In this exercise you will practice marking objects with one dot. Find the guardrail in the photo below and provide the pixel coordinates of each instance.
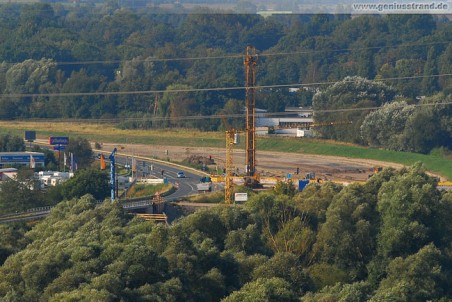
(39, 209)
(147, 158)
(151, 180)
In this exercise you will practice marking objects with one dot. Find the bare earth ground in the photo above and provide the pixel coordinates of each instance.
(270, 163)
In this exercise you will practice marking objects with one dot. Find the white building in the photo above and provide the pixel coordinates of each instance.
(8, 173)
(295, 121)
(52, 178)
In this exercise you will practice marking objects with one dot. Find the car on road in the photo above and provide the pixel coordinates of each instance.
(180, 174)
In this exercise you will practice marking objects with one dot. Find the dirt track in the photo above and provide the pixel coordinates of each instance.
(271, 163)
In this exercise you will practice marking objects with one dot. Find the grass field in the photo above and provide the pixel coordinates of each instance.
(141, 190)
(436, 162)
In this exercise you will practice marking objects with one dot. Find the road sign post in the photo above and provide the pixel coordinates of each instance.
(112, 174)
(60, 142)
(59, 148)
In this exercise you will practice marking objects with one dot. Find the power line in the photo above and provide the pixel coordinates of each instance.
(240, 56)
(141, 92)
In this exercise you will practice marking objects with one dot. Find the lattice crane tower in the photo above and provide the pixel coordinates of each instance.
(250, 63)
(228, 181)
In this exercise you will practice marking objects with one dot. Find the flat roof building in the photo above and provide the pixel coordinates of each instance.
(31, 159)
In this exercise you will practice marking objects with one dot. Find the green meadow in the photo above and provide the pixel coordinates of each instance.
(436, 162)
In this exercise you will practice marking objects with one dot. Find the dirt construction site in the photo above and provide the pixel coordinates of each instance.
(269, 164)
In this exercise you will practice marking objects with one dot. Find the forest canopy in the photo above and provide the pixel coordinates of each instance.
(98, 62)
(151, 69)
(387, 239)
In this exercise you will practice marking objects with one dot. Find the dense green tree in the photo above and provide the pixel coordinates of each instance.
(272, 212)
(444, 67)
(175, 105)
(138, 74)
(111, 50)
(232, 108)
(385, 127)
(79, 106)
(430, 81)
(50, 161)
(28, 77)
(314, 201)
(414, 278)
(264, 289)
(396, 226)
(86, 181)
(352, 92)
(246, 240)
(81, 150)
(22, 193)
(285, 188)
(408, 204)
(354, 292)
(406, 68)
(11, 143)
(12, 239)
(429, 126)
(347, 238)
(288, 267)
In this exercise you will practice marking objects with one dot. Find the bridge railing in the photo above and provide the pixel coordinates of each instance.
(136, 204)
(39, 209)
(125, 204)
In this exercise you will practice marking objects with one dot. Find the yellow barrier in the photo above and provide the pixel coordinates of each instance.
(153, 217)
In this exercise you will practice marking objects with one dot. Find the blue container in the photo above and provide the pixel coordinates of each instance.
(302, 184)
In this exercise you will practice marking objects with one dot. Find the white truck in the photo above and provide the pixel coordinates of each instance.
(204, 187)
(205, 184)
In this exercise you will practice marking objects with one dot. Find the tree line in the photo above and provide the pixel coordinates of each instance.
(381, 118)
(385, 240)
(52, 50)
(149, 69)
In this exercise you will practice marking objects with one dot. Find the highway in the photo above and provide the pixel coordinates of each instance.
(153, 168)
(148, 167)
(145, 167)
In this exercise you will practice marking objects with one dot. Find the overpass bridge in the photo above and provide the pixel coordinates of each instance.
(153, 204)
(150, 205)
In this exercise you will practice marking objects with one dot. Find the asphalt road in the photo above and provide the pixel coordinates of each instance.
(146, 167)
(159, 169)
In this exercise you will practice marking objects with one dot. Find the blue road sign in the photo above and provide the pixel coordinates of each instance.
(59, 148)
(20, 158)
(289, 176)
(58, 140)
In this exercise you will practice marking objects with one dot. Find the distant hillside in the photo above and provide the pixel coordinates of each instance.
(153, 69)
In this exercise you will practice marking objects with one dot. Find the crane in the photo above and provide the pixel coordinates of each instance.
(251, 178)
(231, 140)
(250, 62)
(228, 181)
